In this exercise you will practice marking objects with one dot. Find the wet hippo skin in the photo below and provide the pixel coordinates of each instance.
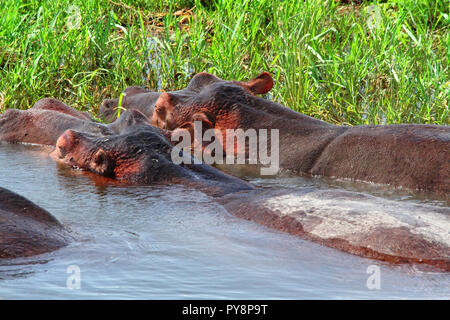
(352, 222)
(411, 156)
(26, 229)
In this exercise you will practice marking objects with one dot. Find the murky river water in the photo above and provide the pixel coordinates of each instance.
(172, 243)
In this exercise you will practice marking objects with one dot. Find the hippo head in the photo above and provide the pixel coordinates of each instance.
(205, 97)
(141, 156)
(128, 120)
(133, 97)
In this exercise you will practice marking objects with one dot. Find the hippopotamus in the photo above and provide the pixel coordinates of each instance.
(26, 229)
(49, 118)
(407, 155)
(142, 155)
(56, 105)
(128, 120)
(134, 97)
(348, 221)
(45, 122)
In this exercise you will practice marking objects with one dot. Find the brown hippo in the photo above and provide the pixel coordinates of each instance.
(143, 156)
(45, 122)
(26, 229)
(411, 156)
(49, 118)
(56, 105)
(134, 98)
(128, 120)
(352, 222)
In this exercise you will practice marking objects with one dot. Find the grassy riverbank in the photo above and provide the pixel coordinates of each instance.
(375, 63)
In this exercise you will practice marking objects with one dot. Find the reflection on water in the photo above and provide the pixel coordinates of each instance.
(169, 242)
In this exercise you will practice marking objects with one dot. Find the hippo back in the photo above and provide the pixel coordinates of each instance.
(26, 229)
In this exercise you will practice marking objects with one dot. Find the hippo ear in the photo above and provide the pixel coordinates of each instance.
(261, 84)
(102, 164)
(135, 90)
(201, 80)
(139, 117)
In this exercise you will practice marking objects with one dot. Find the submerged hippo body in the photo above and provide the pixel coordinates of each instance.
(26, 229)
(412, 156)
(352, 222)
(45, 122)
(348, 221)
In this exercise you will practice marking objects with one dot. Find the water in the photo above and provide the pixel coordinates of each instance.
(150, 242)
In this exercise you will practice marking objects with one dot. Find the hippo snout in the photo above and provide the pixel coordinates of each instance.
(67, 141)
(77, 150)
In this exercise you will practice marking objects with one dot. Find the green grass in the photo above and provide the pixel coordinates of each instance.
(376, 63)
